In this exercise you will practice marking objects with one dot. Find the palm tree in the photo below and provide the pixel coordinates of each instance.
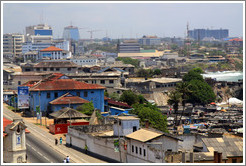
(174, 99)
(183, 88)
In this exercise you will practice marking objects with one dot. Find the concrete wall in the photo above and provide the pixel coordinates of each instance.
(98, 146)
(126, 127)
(189, 140)
(153, 151)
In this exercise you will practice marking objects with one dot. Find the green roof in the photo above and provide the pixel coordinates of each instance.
(145, 51)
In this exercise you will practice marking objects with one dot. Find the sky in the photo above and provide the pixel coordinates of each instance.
(124, 20)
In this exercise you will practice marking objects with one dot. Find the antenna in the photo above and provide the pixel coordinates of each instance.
(42, 17)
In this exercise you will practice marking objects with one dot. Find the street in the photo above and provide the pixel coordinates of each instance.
(39, 152)
(41, 146)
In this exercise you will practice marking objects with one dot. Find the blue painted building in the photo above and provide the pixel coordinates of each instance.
(54, 87)
(67, 100)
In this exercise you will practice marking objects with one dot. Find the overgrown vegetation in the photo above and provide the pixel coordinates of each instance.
(127, 60)
(86, 108)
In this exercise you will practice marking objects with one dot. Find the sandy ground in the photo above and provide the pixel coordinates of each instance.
(45, 123)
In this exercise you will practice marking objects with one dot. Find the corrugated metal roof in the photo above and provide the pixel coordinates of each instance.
(69, 99)
(229, 146)
(66, 113)
(143, 135)
(54, 64)
(117, 103)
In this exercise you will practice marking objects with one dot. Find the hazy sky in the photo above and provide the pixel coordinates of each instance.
(125, 19)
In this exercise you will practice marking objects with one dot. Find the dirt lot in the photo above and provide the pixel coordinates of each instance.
(45, 122)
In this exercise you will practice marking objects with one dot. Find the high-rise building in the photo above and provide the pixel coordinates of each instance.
(41, 33)
(40, 29)
(199, 34)
(12, 44)
(150, 40)
(129, 46)
(71, 33)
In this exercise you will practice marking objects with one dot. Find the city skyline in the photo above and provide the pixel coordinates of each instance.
(125, 20)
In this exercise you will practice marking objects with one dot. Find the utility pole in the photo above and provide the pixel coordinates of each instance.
(119, 137)
(69, 113)
(40, 111)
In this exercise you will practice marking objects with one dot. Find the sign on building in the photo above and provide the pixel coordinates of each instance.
(23, 97)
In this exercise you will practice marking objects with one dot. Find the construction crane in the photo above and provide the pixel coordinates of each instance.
(91, 32)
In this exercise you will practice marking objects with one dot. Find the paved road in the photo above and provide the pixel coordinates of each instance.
(38, 152)
(48, 140)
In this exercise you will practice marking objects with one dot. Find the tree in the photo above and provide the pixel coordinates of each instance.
(157, 72)
(129, 97)
(152, 113)
(86, 108)
(174, 99)
(193, 74)
(106, 94)
(202, 93)
(114, 96)
(183, 89)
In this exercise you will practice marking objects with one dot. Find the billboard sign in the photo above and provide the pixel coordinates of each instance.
(23, 97)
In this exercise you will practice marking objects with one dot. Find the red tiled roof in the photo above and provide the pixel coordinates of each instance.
(51, 48)
(117, 103)
(64, 84)
(6, 122)
(69, 99)
(236, 39)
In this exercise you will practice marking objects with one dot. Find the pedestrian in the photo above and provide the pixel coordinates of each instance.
(65, 160)
(68, 159)
(60, 140)
(86, 149)
(56, 141)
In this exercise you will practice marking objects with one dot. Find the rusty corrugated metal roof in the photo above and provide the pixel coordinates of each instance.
(64, 84)
(55, 64)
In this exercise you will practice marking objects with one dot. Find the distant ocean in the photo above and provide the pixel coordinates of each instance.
(233, 76)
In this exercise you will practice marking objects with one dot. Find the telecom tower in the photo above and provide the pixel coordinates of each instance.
(187, 40)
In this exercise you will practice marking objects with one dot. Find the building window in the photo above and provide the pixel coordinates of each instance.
(38, 69)
(45, 69)
(78, 94)
(48, 95)
(85, 94)
(111, 81)
(132, 148)
(136, 149)
(56, 94)
(51, 69)
(134, 128)
(102, 81)
(69, 69)
(144, 152)
(57, 69)
(19, 82)
(140, 151)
